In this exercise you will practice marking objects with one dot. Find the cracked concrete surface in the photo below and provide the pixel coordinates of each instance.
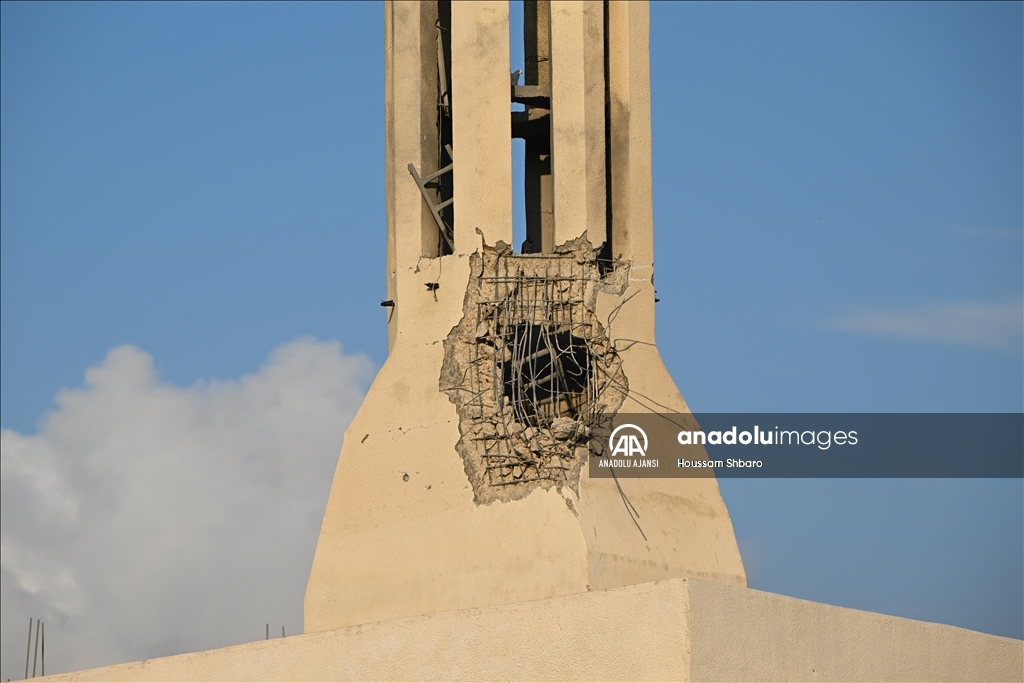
(531, 370)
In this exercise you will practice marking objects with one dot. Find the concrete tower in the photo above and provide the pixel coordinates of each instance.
(461, 481)
(461, 499)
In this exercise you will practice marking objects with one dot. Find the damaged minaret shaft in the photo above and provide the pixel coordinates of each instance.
(462, 479)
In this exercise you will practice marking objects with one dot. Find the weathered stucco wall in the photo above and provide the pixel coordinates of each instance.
(739, 634)
(677, 630)
(404, 533)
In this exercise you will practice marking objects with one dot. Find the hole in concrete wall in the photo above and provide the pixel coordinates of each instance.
(530, 370)
(547, 374)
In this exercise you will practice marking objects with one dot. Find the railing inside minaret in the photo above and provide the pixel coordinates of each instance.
(435, 187)
(430, 188)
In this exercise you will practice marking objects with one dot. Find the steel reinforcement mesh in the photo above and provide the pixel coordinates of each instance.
(541, 367)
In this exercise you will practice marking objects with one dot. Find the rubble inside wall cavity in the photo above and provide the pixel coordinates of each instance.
(531, 369)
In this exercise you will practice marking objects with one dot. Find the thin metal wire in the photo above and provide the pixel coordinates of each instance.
(28, 648)
(35, 654)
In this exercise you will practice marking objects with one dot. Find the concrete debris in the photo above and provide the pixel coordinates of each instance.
(530, 369)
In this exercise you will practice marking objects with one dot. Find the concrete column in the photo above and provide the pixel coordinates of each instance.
(403, 533)
(630, 94)
(629, 89)
(577, 120)
(482, 142)
(409, 110)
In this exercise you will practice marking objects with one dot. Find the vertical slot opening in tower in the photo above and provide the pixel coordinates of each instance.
(533, 126)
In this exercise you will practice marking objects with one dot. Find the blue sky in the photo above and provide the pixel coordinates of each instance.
(838, 216)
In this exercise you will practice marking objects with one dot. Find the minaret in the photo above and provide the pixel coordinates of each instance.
(462, 479)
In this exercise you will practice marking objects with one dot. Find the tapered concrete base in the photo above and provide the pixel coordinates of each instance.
(679, 629)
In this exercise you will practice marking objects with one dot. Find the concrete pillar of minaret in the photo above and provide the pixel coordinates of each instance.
(684, 528)
(577, 120)
(457, 488)
(483, 164)
(403, 534)
(433, 507)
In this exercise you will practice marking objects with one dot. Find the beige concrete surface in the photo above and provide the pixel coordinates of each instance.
(739, 634)
(677, 630)
(408, 32)
(482, 128)
(402, 534)
(577, 120)
(415, 577)
(629, 84)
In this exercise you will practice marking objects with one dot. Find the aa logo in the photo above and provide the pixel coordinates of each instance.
(628, 442)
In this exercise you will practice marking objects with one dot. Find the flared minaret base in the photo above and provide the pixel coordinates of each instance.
(463, 539)
(452, 490)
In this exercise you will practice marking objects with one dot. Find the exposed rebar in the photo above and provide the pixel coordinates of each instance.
(28, 647)
(35, 652)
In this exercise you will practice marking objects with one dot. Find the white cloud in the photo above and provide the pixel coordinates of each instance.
(986, 325)
(146, 519)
